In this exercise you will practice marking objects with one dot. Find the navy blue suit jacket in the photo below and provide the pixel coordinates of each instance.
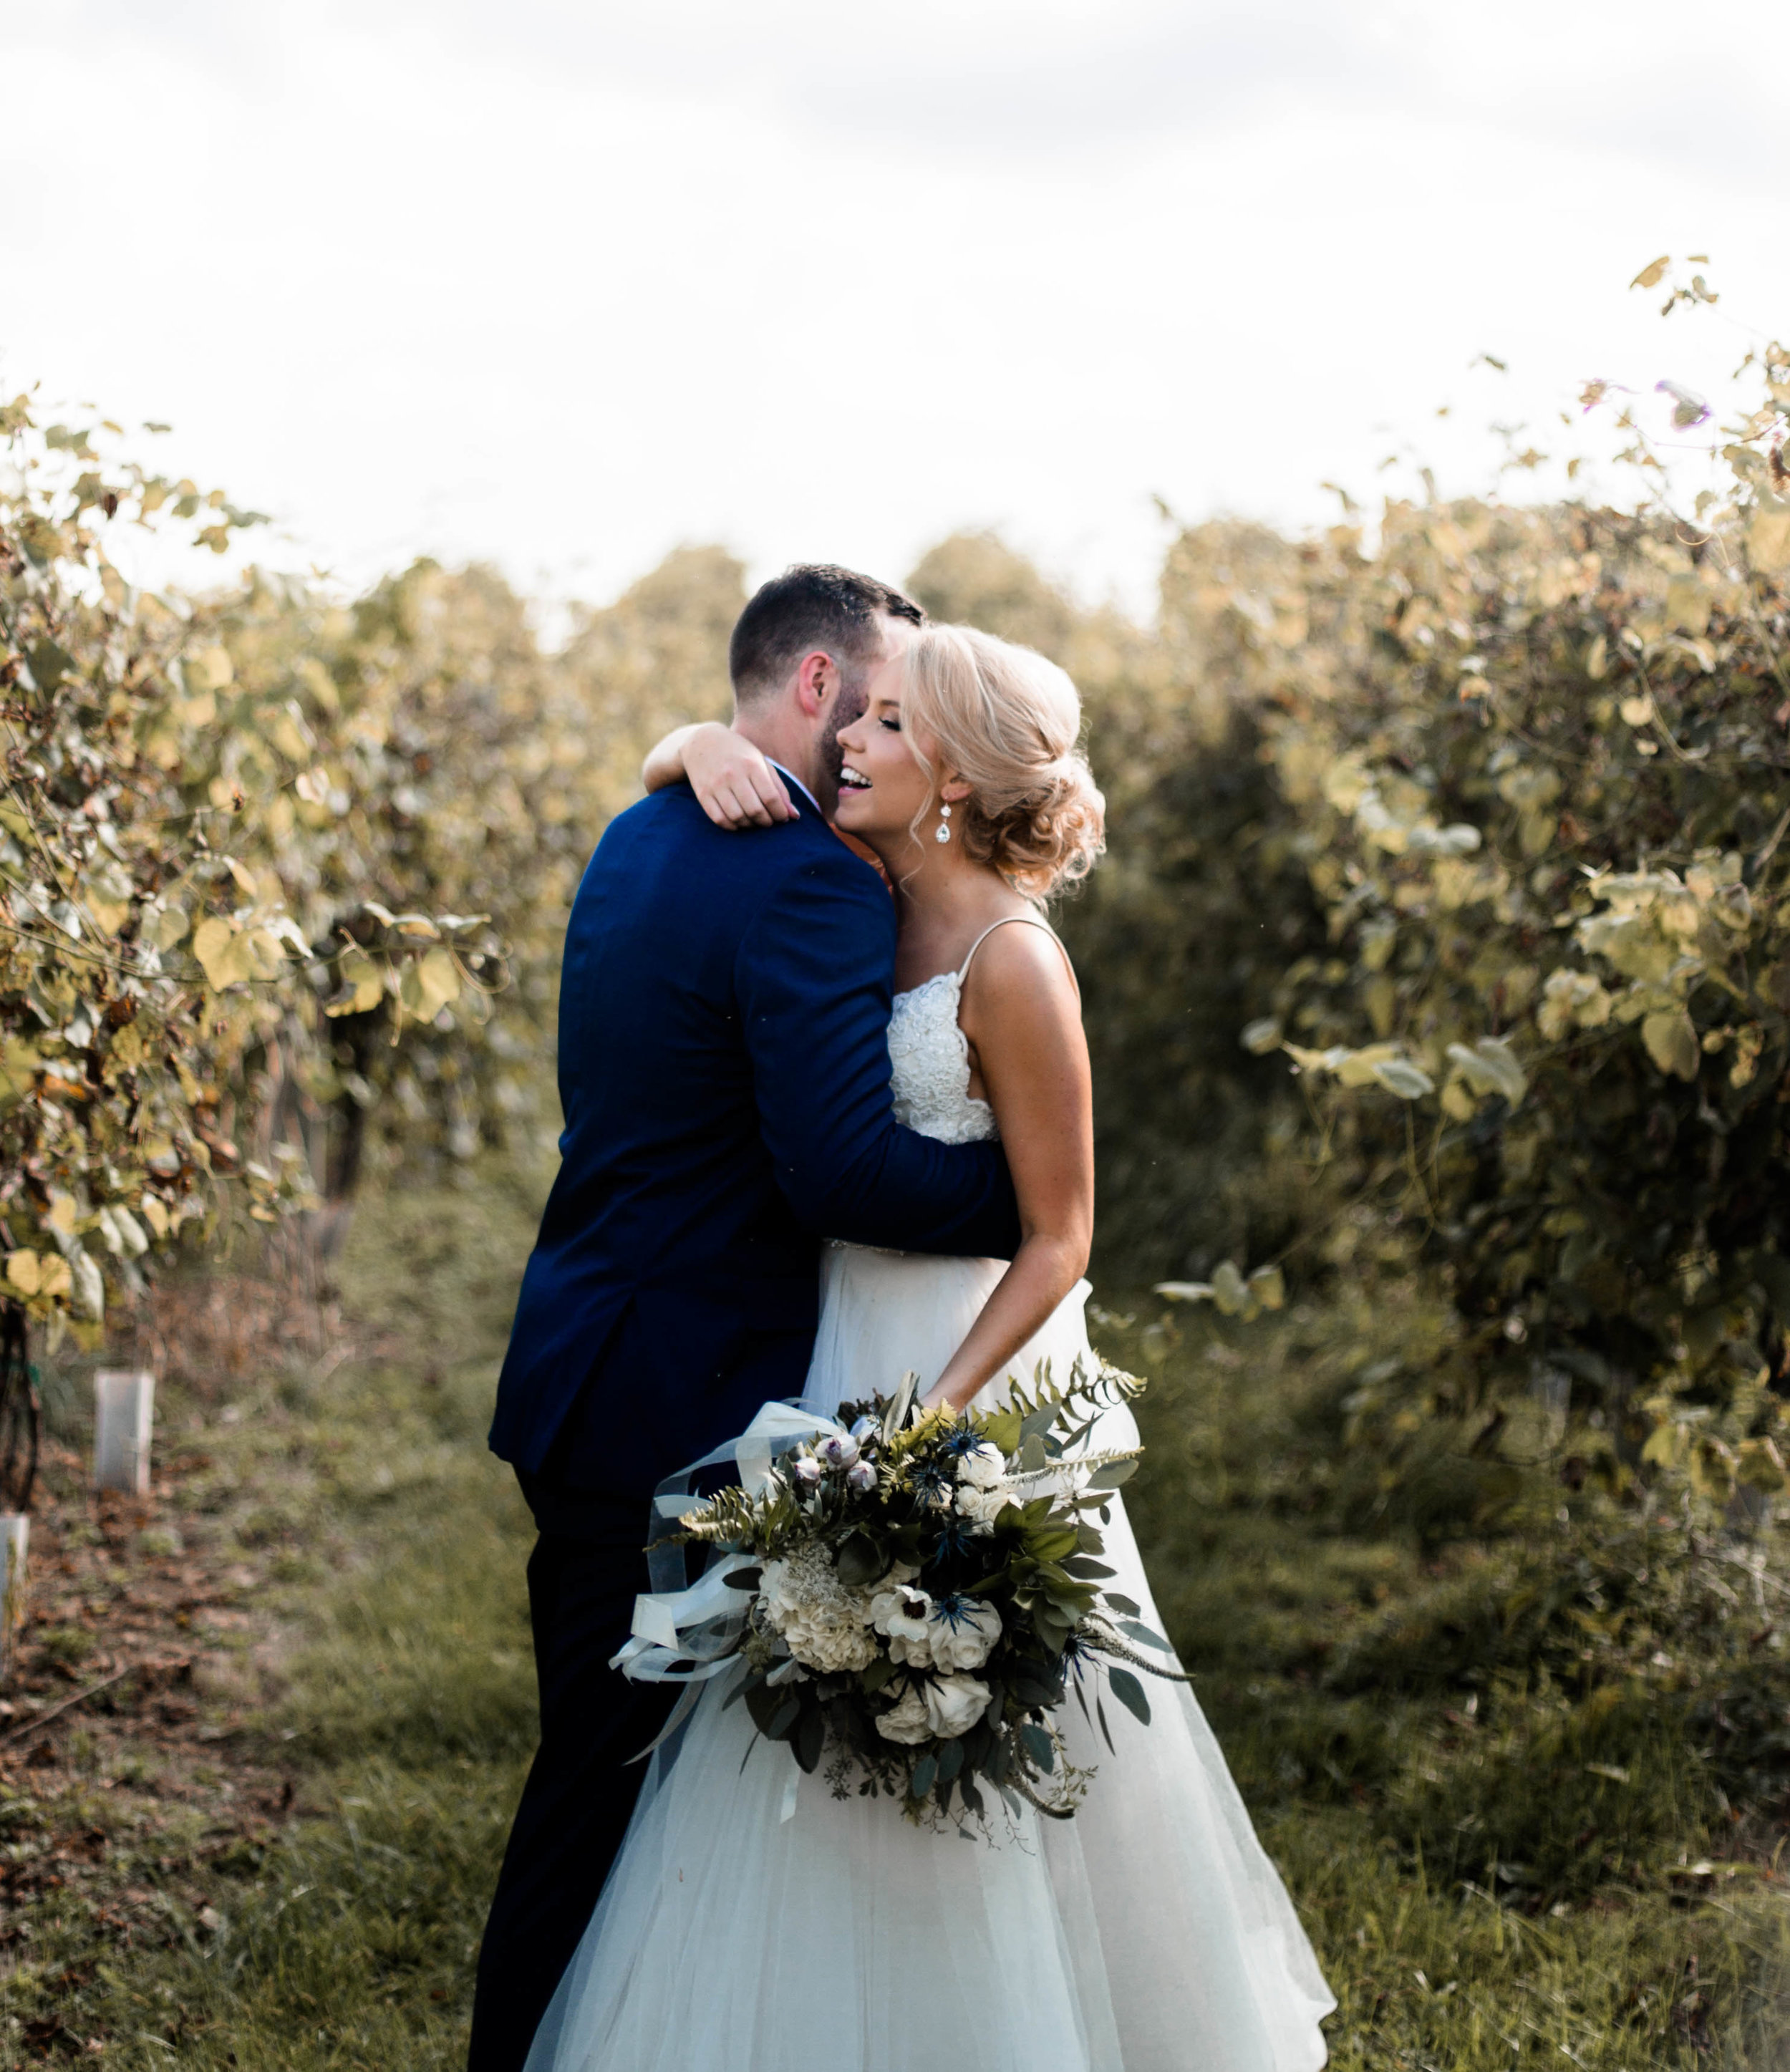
(724, 1070)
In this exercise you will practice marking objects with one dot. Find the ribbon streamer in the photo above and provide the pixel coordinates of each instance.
(688, 1633)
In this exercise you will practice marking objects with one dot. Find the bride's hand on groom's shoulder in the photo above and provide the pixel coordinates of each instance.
(734, 783)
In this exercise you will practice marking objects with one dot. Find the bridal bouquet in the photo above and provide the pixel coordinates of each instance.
(923, 1595)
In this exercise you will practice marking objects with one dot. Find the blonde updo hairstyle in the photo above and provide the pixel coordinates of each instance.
(1008, 722)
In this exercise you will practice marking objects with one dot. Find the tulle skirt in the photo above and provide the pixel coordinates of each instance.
(753, 1923)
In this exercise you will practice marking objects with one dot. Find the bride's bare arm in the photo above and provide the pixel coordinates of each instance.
(733, 782)
(1024, 1019)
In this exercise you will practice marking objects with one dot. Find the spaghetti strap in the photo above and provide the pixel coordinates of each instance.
(1031, 921)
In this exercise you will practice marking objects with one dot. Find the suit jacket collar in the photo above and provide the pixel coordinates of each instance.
(791, 778)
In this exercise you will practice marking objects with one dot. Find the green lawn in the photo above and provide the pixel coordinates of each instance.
(1497, 1868)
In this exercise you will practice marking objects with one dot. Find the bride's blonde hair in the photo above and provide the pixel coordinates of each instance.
(1008, 721)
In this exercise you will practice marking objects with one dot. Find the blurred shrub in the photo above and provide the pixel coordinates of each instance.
(1538, 762)
(278, 870)
(121, 896)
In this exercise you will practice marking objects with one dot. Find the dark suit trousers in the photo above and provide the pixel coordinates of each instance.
(583, 1575)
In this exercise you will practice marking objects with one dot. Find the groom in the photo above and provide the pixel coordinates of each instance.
(724, 1070)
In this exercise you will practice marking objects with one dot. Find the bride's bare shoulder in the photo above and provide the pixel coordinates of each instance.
(1018, 969)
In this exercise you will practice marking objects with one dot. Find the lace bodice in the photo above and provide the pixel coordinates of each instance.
(930, 1056)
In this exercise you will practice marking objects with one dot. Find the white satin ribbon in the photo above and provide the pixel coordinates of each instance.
(688, 1635)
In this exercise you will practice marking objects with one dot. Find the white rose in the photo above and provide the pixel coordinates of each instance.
(907, 1721)
(963, 1637)
(983, 1466)
(982, 1506)
(954, 1704)
(904, 1614)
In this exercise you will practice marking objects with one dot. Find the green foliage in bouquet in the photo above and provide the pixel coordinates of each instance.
(927, 1594)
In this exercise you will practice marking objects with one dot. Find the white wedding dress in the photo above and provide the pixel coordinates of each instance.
(1150, 1934)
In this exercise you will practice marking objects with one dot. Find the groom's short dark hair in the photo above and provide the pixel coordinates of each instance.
(812, 604)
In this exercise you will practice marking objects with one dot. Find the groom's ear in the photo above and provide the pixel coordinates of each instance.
(816, 679)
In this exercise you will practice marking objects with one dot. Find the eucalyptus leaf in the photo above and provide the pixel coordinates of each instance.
(1146, 1636)
(1112, 1475)
(1039, 1745)
(1128, 1692)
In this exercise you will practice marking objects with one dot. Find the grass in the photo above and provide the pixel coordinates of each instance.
(1499, 1867)
(1516, 1827)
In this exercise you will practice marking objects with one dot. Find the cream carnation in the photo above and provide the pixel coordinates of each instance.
(825, 1625)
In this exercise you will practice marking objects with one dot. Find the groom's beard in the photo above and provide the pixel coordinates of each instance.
(846, 712)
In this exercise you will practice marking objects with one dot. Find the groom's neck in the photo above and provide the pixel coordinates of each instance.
(786, 738)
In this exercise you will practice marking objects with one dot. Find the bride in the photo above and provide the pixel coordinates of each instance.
(745, 1929)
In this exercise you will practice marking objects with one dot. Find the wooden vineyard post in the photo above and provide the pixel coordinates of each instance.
(15, 1534)
(124, 1408)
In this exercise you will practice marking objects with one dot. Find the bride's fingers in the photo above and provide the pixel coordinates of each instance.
(741, 807)
(776, 800)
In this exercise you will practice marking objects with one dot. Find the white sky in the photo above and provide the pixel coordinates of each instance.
(563, 283)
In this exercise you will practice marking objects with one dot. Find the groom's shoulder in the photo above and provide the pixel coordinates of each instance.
(669, 829)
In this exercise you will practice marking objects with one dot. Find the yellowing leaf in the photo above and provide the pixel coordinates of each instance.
(1667, 1445)
(1491, 1067)
(1379, 997)
(1400, 1076)
(1185, 1291)
(1670, 1039)
(1768, 542)
(209, 670)
(24, 1271)
(261, 949)
(1457, 1102)
(321, 684)
(285, 733)
(1268, 1286)
(1687, 607)
(60, 1215)
(214, 944)
(1360, 1068)
(1229, 1290)
(1652, 273)
(18, 1063)
(167, 926)
(88, 1296)
(438, 980)
(1761, 1465)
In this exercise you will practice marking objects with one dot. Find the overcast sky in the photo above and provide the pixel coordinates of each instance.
(562, 283)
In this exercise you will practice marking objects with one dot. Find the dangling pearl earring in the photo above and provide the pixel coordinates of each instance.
(944, 834)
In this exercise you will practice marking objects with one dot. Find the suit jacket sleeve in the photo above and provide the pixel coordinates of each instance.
(814, 984)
